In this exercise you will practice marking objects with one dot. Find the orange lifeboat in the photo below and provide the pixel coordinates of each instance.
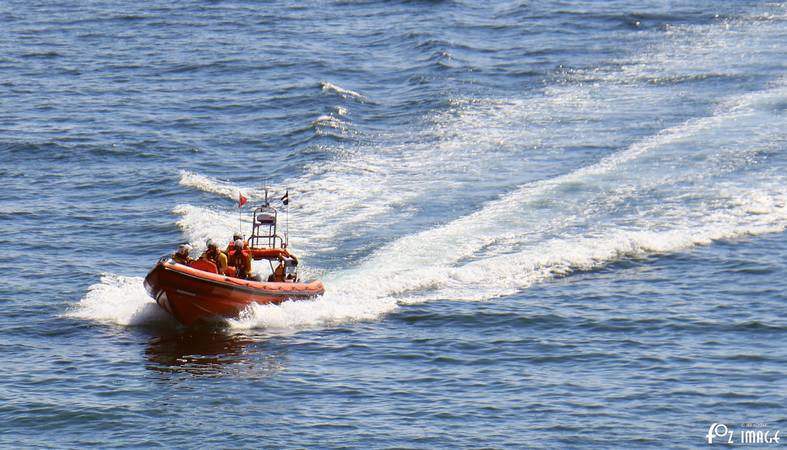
(196, 291)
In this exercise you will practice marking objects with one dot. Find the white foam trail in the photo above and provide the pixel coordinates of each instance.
(508, 245)
(504, 274)
(730, 48)
(344, 93)
(119, 300)
(392, 278)
(449, 243)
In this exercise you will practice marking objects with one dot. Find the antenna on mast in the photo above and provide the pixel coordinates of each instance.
(287, 218)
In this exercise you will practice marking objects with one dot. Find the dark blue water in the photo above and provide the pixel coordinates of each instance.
(540, 224)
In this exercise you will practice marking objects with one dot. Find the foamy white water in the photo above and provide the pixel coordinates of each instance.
(220, 188)
(692, 181)
(119, 300)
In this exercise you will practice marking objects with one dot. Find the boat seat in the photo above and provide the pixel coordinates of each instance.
(266, 219)
(205, 265)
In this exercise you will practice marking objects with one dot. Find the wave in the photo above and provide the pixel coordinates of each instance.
(221, 188)
(212, 186)
(329, 121)
(342, 92)
(329, 125)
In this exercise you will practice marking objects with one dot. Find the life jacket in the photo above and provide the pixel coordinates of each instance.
(241, 262)
(231, 247)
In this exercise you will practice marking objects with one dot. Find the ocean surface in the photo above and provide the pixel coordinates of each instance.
(541, 224)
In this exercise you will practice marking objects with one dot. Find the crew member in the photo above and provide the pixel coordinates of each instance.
(278, 273)
(216, 256)
(241, 259)
(182, 255)
(236, 237)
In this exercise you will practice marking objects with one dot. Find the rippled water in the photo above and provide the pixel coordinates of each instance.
(540, 224)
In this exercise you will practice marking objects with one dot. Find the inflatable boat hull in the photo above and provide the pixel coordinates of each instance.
(191, 294)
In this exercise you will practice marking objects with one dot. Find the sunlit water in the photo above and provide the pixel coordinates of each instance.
(545, 224)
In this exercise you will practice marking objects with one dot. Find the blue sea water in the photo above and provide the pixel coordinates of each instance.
(554, 224)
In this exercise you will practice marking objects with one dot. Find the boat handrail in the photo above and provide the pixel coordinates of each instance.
(265, 216)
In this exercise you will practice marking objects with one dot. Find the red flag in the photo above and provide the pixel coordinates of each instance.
(241, 200)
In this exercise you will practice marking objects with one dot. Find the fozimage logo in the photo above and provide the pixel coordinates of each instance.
(749, 433)
(717, 430)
